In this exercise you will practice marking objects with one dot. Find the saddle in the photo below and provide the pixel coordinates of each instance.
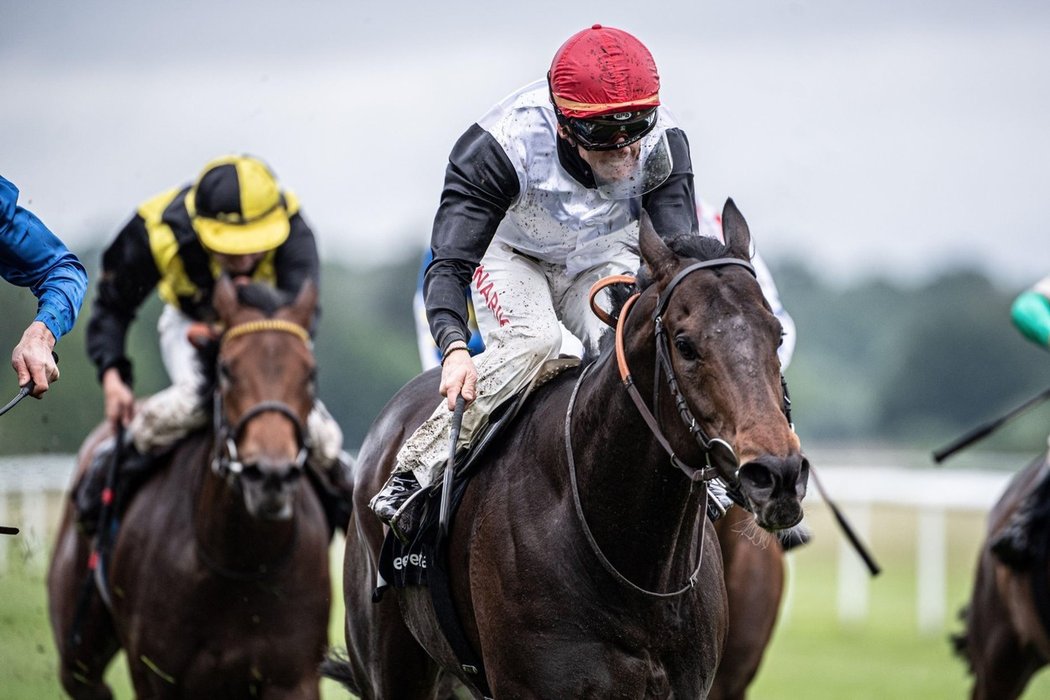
(421, 561)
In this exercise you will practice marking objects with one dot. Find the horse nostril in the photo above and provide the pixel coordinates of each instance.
(757, 476)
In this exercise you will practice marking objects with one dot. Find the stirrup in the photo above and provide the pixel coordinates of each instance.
(405, 522)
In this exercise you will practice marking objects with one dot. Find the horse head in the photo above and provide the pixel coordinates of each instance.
(265, 391)
(717, 341)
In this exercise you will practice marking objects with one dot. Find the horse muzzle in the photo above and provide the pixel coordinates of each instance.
(269, 493)
(774, 488)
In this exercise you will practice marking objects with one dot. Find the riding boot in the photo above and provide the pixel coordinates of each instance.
(1013, 545)
(133, 469)
(393, 504)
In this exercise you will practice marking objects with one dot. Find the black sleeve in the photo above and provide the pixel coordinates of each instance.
(296, 260)
(672, 205)
(480, 185)
(128, 275)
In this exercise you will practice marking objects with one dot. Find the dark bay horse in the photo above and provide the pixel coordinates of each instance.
(581, 562)
(753, 562)
(219, 576)
(1007, 637)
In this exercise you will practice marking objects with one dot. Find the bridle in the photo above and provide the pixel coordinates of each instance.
(718, 453)
(719, 457)
(225, 460)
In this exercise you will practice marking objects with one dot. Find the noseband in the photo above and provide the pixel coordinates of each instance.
(720, 459)
(225, 461)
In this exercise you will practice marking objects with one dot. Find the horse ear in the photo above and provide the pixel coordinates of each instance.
(302, 309)
(657, 256)
(735, 230)
(224, 298)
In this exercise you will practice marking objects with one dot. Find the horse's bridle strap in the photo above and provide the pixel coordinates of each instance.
(266, 324)
(665, 296)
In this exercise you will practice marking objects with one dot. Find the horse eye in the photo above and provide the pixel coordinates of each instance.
(686, 349)
(225, 374)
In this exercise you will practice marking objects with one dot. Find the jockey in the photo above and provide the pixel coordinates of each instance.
(235, 220)
(1013, 545)
(31, 256)
(542, 198)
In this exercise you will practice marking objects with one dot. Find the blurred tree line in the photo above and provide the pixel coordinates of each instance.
(876, 362)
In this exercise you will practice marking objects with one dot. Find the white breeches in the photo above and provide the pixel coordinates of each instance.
(519, 302)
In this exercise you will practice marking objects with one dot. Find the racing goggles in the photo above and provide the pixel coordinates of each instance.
(612, 131)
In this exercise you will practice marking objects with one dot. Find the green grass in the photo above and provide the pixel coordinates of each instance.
(812, 656)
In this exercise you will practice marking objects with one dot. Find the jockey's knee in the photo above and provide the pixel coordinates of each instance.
(541, 344)
(325, 436)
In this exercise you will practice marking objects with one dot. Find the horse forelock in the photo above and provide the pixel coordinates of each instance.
(262, 297)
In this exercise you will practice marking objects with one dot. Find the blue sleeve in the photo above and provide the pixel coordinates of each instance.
(31, 256)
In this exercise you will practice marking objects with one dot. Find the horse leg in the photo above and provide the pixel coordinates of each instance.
(1002, 664)
(754, 576)
(75, 607)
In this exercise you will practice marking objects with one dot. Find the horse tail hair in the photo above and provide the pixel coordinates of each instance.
(336, 667)
(961, 641)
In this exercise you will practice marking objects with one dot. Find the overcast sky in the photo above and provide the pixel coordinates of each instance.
(893, 138)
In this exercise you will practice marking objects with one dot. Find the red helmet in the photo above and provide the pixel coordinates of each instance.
(601, 71)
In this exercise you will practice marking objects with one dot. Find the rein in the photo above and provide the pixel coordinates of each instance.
(595, 547)
(720, 459)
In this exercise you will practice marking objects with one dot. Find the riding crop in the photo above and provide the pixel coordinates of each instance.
(446, 483)
(983, 431)
(22, 393)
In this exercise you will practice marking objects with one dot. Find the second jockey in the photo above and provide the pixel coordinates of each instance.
(235, 220)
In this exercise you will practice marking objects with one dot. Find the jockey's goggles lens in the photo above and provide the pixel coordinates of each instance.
(612, 131)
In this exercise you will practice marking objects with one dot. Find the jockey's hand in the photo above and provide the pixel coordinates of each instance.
(120, 401)
(458, 376)
(32, 358)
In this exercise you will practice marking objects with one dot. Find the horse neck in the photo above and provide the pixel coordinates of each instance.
(643, 512)
(230, 537)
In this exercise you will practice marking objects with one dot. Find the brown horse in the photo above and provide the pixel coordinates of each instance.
(580, 561)
(753, 562)
(1007, 639)
(219, 576)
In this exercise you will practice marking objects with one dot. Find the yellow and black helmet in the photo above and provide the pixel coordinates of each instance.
(237, 208)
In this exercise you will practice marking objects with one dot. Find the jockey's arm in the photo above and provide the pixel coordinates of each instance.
(480, 185)
(296, 260)
(1031, 313)
(127, 277)
(32, 256)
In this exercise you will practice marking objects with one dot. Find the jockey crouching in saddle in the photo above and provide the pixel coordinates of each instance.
(542, 198)
(1014, 545)
(233, 220)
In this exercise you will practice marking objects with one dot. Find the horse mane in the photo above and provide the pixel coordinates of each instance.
(265, 298)
(684, 246)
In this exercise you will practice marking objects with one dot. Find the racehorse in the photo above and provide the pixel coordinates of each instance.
(753, 562)
(218, 577)
(1007, 635)
(581, 563)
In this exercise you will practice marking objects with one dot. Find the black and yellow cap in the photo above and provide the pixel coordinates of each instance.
(237, 207)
